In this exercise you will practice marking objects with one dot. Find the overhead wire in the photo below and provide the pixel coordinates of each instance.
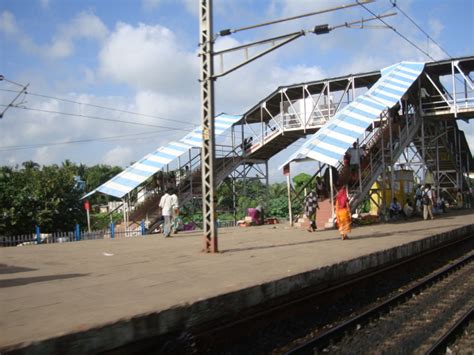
(396, 31)
(394, 3)
(95, 117)
(99, 106)
(86, 140)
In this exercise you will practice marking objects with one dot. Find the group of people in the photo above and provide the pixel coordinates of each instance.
(342, 208)
(424, 203)
(170, 211)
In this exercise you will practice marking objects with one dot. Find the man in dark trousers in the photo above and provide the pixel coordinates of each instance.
(310, 207)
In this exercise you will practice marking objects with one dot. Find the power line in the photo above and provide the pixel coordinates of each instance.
(96, 118)
(394, 3)
(395, 30)
(86, 140)
(98, 106)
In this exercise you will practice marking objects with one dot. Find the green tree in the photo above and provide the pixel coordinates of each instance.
(301, 180)
(44, 196)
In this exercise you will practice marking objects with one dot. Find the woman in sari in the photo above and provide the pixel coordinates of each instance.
(343, 213)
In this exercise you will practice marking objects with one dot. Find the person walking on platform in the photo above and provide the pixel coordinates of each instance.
(166, 205)
(343, 213)
(310, 207)
(427, 199)
(459, 199)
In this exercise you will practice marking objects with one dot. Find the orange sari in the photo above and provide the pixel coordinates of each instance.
(343, 214)
(344, 219)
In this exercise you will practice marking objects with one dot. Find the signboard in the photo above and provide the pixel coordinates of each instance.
(286, 170)
(87, 205)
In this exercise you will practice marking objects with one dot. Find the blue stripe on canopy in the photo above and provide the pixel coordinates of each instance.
(385, 93)
(146, 167)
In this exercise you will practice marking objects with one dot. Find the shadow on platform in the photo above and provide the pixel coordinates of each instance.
(29, 280)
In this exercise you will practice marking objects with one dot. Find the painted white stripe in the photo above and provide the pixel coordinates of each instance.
(193, 143)
(362, 118)
(226, 119)
(402, 83)
(194, 134)
(181, 145)
(389, 94)
(409, 70)
(382, 101)
(170, 151)
(322, 158)
(222, 125)
(348, 126)
(340, 136)
(115, 186)
(361, 106)
(146, 168)
(403, 75)
(133, 177)
(371, 99)
(332, 148)
(396, 87)
(159, 159)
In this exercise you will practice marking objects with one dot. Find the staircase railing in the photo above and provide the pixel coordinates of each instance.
(381, 156)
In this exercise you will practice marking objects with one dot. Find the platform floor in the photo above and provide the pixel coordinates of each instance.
(56, 289)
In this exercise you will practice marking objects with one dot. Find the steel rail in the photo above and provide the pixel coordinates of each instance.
(338, 331)
(277, 308)
(449, 335)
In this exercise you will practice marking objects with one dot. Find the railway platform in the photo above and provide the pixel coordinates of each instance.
(93, 296)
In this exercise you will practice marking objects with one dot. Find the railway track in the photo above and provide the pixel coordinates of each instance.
(420, 319)
(287, 324)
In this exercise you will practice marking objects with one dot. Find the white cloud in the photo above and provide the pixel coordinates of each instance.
(84, 26)
(436, 27)
(149, 58)
(192, 7)
(44, 3)
(45, 156)
(119, 155)
(150, 4)
(8, 23)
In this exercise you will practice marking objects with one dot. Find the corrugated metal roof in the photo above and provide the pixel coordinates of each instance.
(330, 143)
(149, 165)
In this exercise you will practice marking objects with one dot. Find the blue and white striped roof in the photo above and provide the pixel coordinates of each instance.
(329, 144)
(134, 175)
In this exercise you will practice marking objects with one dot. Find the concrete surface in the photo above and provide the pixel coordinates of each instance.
(90, 296)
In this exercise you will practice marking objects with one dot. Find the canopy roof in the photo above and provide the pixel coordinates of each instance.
(330, 143)
(149, 165)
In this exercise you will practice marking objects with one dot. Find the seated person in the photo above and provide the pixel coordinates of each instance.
(441, 205)
(395, 208)
(408, 209)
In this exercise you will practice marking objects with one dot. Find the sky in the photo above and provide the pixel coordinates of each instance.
(126, 71)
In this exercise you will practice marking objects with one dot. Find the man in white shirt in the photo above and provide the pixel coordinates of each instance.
(166, 205)
(427, 198)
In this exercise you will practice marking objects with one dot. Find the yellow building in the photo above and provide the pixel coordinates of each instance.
(403, 189)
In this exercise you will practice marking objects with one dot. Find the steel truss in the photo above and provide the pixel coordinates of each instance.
(206, 42)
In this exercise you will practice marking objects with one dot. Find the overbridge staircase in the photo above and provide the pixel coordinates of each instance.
(384, 146)
(189, 186)
(439, 153)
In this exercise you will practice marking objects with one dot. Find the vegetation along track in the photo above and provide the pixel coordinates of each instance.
(417, 320)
